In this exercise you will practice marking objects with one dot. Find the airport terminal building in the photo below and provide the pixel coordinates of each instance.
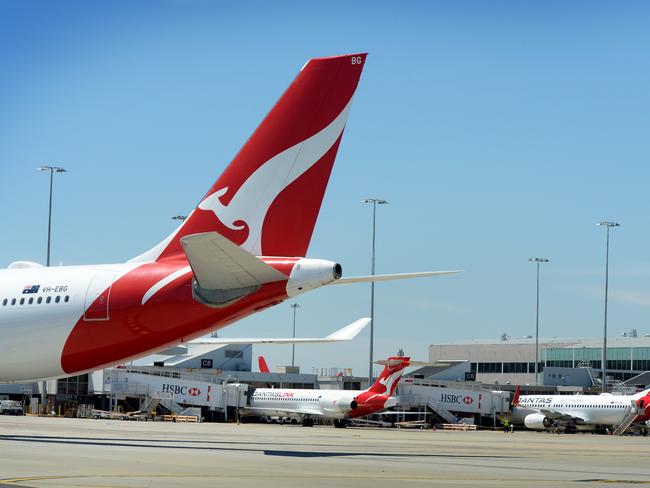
(561, 361)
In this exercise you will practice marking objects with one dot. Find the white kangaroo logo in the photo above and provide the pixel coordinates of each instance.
(252, 201)
(388, 381)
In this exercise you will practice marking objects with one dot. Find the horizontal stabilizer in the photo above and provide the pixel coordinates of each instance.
(389, 277)
(347, 333)
(219, 264)
(394, 362)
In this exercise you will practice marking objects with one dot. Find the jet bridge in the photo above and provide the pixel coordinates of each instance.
(160, 386)
(452, 400)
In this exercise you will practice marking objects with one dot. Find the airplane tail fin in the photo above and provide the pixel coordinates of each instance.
(261, 362)
(515, 399)
(389, 378)
(268, 198)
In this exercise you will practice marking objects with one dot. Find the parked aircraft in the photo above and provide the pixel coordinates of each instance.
(331, 404)
(580, 412)
(241, 250)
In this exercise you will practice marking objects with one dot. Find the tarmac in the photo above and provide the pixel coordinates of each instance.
(56, 452)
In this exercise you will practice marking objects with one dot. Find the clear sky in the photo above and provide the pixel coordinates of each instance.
(497, 131)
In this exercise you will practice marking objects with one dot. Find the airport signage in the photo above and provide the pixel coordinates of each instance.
(206, 363)
(188, 392)
(180, 390)
(470, 376)
(456, 399)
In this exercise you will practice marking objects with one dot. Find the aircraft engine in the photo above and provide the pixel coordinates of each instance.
(537, 421)
(341, 405)
(308, 274)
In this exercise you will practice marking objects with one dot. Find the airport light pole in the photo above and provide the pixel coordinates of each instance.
(295, 306)
(374, 202)
(537, 261)
(608, 225)
(52, 170)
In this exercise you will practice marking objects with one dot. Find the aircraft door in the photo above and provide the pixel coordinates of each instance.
(97, 297)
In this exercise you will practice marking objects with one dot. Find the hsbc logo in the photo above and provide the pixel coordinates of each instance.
(181, 390)
(456, 399)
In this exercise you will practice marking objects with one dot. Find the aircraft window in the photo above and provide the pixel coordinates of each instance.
(4, 302)
(57, 299)
(22, 301)
(66, 299)
(13, 301)
(39, 300)
(31, 300)
(48, 299)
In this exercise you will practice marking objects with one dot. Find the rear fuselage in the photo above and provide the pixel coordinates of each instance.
(66, 320)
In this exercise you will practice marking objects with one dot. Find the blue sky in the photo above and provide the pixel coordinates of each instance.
(497, 130)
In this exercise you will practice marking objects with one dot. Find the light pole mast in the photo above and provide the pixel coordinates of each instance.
(537, 261)
(52, 170)
(295, 306)
(608, 225)
(374, 202)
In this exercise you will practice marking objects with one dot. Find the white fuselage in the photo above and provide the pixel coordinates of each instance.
(34, 326)
(308, 402)
(57, 321)
(603, 409)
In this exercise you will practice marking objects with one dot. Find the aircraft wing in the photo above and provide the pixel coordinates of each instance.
(347, 333)
(555, 415)
(285, 411)
(389, 277)
(219, 264)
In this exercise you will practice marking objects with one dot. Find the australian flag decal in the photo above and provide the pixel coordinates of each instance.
(31, 289)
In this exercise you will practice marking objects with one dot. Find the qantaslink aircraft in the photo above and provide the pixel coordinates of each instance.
(241, 250)
(339, 405)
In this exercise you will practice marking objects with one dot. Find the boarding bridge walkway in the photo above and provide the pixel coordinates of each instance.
(452, 400)
(174, 390)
